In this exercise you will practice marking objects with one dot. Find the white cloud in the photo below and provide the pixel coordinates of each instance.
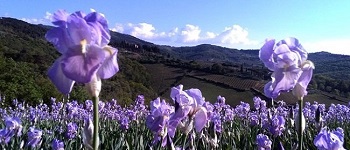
(34, 20)
(210, 35)
(190, 33)
(233, 37)
(48, 16)
(45, 20)
(336, 46)
(143, 30)
(118, 28)
(92, 10)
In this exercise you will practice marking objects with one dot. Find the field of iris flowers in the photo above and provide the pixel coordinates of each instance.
(188, 121)
(66, 126)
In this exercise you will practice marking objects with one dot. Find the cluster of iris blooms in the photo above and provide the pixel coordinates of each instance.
(164, 125)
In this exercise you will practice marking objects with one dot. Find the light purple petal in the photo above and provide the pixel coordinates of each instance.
(197, 95)
(78, 14)
(79, 30)
(99, 22)
(200, 119)
(285, 57)
(172, 125)
(155, 124)
(110, 66)
(265, 54)
(59, 18)
(59, 38)
(268, 90)
(81, 67)
(285, 80)
(62, 83)
(181, 97)
(175, 91)
(294, 45)
(181, 113)
(155, 104)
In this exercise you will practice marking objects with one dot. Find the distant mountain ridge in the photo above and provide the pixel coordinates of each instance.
(326, 63)
(23, 46)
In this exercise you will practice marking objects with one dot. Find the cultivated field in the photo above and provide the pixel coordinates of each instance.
(234, 89)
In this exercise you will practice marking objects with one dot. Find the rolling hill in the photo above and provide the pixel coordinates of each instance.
(151, 69)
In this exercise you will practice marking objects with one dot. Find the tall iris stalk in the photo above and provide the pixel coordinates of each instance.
(291, 71)
(86, 58)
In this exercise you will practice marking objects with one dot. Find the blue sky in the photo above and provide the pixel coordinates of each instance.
(319, 25)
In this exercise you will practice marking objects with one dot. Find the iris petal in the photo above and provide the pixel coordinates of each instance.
(59, 38)
(268, 89)
(81, 67)
(265, 54)
(285, 80)
(305, 77)
(62, 83)
(100, 24)
(59, 18)
(110, 66)
(200, 119)
(294, 45)
(197, 95)
(285, 57)
(78, 30)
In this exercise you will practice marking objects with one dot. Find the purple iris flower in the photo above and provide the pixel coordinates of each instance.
(277, 125)
(288, 60)
(34, 137)
(158, 121)
(254, 118)
(190, 104)
(71, 130)
(57, 145)
(326, 140)
(13, 127)
(124, 123)
(263, 141)
(216, 119)
(82, 40)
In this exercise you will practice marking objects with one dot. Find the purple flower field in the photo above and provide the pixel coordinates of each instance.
(185, 121)
(62, 125)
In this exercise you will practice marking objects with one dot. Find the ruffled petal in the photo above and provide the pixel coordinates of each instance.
(81, 67)
(99, 23)
(155, 104)
(197, 95)
(59, 38)
(181, 97)
(200, 119)
(285, 57)
(305, 77)
(265, 54)
(155, 123)
(62, 83)
(59, 18)
(175, 91)
(110, 66)
(79, 30)
(294, 45)
(268, 90)
(285, 80)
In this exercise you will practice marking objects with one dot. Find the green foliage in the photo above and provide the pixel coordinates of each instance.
(25, 57)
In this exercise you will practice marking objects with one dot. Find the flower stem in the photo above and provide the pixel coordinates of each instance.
(95, 135)
(300, 124)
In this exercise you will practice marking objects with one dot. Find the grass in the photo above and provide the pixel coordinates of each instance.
(162, 77)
